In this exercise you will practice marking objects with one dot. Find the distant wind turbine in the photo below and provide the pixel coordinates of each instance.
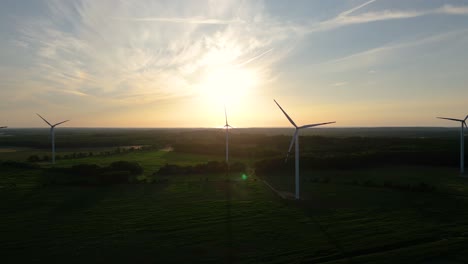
(462, 140)
(52, 135)
(295, 140)
(227, 126)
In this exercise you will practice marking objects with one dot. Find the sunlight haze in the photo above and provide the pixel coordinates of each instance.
(177, 63)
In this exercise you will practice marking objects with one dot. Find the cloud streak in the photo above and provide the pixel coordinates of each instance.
(371, 57)
(346, 18)
(193, 20)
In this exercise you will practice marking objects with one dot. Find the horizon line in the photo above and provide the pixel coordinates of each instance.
(273, 127)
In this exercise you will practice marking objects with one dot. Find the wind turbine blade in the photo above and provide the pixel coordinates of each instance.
(60, 123)
(291, 145)
(314, 125)
(452, 119)
(44, 119)
(289, 118)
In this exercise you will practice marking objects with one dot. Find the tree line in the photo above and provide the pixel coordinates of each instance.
(118, 172)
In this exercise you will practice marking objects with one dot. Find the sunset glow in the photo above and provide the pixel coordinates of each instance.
(149, 63)
(228, 84)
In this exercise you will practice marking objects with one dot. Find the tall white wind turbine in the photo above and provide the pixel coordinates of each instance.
(295, 141)
(462, 140)
(52, 135)
(227, 126)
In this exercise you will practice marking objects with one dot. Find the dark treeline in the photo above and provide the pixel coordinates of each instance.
(242, 141)
(203, 168)
(361, 160)
(240, 151)
(77, 155)
(85, 138)
(118, 172)
(316, 151)
(255, 147)
(19, 165)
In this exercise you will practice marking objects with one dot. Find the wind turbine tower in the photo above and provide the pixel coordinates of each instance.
(227, 126)
(52, 135)
(462, 140)
(295, 141)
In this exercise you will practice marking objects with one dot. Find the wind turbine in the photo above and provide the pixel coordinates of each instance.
(295, 140)
(462, 140)
(52, 135)
(227, 126)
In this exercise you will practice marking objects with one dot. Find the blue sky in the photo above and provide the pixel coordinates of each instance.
(176, 63)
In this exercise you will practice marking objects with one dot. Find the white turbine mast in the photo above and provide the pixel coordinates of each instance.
(462, 140)
(295, 141)
(52, 134)
(227, 126)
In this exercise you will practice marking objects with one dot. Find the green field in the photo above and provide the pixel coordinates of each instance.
(375, 214)
(197, 219)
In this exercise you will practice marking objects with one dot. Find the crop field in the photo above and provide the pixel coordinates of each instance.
(378, 214)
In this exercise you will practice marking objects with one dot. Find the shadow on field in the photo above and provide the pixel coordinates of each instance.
(80, 199)
(435, 218)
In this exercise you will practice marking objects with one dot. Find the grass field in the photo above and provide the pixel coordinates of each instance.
(359, 215)
(197, 219)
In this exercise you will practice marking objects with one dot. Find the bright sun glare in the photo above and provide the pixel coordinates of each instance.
(228, 84)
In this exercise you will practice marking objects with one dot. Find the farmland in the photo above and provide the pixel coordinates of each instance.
(384, 213)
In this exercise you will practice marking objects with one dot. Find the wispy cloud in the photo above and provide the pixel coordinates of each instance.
(339, 84)
(192, 20)
(372, 57)
(256, 57)
(347, 18)
(116, 49)
(452, 10)
(354, 9)
(107, 50)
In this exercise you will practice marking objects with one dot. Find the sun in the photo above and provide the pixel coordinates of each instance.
(228, 83)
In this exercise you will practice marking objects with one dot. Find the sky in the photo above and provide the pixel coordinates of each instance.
(178, 63)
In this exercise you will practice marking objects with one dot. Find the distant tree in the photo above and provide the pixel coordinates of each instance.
(133, 167)
(21, 165)
(34, 158)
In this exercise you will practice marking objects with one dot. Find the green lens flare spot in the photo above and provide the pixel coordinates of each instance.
(244, 177)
